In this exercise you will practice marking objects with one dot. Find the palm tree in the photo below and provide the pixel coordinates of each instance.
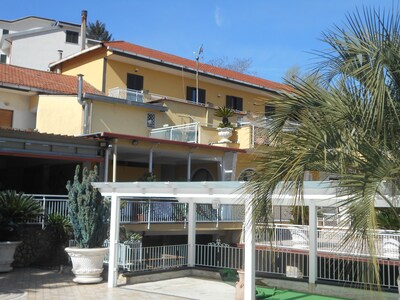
(98, 31)
(348, 124)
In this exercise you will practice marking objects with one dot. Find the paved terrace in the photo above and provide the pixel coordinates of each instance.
(38, 284)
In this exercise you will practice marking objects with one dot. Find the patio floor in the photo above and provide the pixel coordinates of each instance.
(38, 284)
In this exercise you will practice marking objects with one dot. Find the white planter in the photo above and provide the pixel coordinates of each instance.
(87, 264)
(224, 133)
(7, 250)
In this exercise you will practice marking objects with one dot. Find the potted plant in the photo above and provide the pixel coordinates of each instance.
(88, 213)
(225, 128)
(15, 209)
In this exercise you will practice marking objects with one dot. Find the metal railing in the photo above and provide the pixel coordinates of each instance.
(183, 133)
(135, 258)
(51, 204)
(127, 94)
(330, 240)
(217, 255)
(148, 211)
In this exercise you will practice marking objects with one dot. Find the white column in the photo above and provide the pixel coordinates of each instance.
(114, 236)
(191, 233)
(313, 235)
(249, 251)
(115, 161)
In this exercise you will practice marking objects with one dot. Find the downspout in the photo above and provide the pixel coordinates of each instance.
(84, 104)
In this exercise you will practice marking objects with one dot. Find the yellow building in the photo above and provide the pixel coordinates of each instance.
(158, 112)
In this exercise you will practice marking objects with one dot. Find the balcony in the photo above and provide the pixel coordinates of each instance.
(182, 133)
(127, 94)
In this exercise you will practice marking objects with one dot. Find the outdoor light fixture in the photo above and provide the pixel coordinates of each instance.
(135, 142)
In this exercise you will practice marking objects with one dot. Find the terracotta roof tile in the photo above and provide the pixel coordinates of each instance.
(212, 70)
(42, 81)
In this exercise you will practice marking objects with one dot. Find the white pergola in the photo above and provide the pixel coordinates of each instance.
(222, 192)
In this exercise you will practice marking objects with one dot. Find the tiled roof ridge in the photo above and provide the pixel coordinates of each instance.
(203, 67)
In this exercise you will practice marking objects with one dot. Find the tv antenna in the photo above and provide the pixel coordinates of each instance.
(200, 51)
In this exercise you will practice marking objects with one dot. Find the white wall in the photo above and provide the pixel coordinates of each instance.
(23, 117)
(38, 51)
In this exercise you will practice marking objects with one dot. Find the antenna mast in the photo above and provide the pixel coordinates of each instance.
(197, 72)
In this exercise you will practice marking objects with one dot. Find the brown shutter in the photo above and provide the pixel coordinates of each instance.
(6, 118)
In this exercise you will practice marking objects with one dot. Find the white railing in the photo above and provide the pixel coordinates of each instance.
(217, 255)
(222, 213)
(172, 212)
(136, 259)
(148, 212)
(183, 133)
(127, 94)
(329, 239)
(51, 204)
(153, 212)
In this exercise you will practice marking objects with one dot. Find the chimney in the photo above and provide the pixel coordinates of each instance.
(60, 53)
(83, 29)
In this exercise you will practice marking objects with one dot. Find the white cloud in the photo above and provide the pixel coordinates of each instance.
(218, 17)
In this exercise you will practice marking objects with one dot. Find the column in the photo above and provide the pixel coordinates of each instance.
(192, 233)
(113, 248)
(249, 251)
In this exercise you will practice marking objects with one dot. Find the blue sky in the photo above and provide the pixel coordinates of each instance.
(275, 34)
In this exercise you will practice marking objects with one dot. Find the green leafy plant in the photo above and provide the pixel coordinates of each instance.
(87, 210)
(15, 209)
(59, 229)
(225, 113)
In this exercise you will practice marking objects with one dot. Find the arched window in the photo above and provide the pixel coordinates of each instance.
(202, 175)
(246, 174)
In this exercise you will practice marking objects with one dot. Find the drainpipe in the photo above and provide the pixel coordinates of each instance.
(84, 104)
(83, 29)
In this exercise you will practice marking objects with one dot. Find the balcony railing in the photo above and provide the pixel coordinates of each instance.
(127, 94)
(183, 133)
(148, 212)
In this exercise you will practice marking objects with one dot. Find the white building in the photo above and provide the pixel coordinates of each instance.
(35, 42)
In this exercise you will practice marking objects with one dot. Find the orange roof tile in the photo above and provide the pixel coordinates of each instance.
(42, 81)
(205, 68)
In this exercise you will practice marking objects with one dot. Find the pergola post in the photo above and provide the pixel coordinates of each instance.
(313, 223)
(192, 234)
(113, 247)
(249, 251)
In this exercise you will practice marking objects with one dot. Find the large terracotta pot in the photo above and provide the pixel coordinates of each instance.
(7, 250)
(87, 264)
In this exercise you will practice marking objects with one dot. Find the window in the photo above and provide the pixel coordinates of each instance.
(6, 118)
(191, 94)
(3, 58)
(151, 120)
(234, 102)
(269, 110)
(134, 82)
(6, 31)
(72, 37)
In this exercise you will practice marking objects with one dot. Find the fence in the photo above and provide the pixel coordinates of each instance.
(135, 258)
(51, 204)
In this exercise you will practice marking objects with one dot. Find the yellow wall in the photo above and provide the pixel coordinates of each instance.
(120, 118)
(175, 85)
(91, 66)
(59, 115)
